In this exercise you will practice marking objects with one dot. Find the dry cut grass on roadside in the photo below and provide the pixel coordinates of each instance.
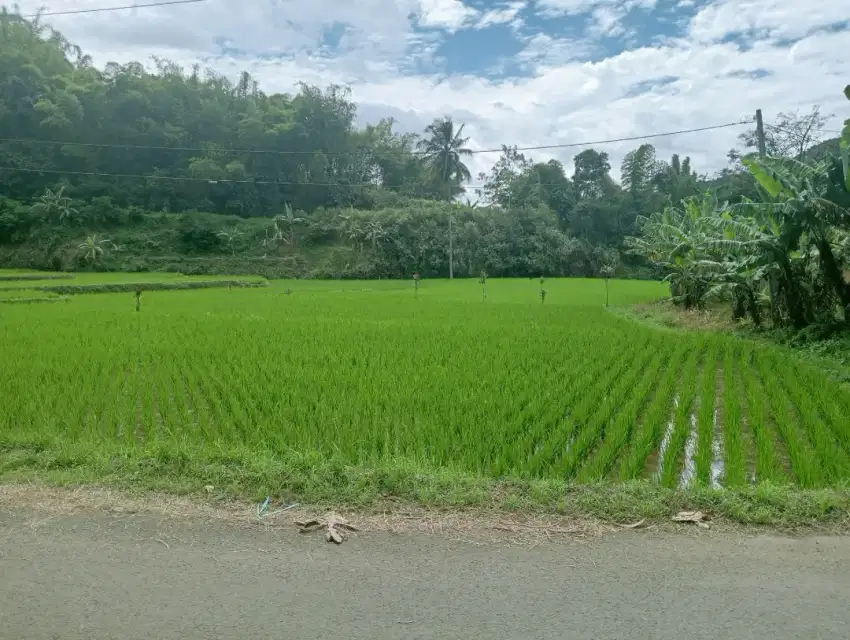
(40, 505)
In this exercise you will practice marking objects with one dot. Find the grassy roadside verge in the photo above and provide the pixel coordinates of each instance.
(252, 475)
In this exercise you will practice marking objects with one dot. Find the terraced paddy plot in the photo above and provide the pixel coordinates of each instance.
(367, 373)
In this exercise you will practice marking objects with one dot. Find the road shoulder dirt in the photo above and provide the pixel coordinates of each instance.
(109, 566)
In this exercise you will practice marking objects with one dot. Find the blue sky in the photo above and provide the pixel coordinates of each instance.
(495, 47)
(525, 72)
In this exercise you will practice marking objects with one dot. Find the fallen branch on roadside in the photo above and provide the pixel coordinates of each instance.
(337, 527)
(697, 517)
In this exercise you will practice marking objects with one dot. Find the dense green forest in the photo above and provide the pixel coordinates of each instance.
(133, 168)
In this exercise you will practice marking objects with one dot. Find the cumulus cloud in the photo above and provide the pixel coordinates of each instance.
(446, 14)
(544, 51)
(505, 14)
(606, 21)
(566, 7)
(698, 78)
(560, 7)
(773, 19)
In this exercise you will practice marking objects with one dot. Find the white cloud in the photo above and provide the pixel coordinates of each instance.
(560, 7)
(777, 18)
(606, 21)
(506, 14)
(565, 7)
(566, 100)
(543, 51)
(445, 14)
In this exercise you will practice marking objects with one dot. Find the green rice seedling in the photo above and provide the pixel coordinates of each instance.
(803, 458)
(828, 396)
(768, 466)
(707, 417)
(834, 463)
(591, 415)
(733, 444)
(360, 375)
(650, 427)
(550, 444)
(619, 431)
(197, 423)
(683, 421)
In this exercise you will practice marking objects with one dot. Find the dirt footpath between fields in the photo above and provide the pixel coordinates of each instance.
(93, 563)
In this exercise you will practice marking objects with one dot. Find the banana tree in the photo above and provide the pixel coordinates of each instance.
(55, 202)
(678, 239)
(375, 232)
(92, 249)
(794, 195)
(230, 236)
(752, 253)
(290, 220)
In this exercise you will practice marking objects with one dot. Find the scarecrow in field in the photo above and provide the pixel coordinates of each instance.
(416, 278)
(138, 299)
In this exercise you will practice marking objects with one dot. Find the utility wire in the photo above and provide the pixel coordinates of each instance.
(70, 12)
(302, 184)
(566, 145)
(352, 185)
(626, 139)
(185, 178)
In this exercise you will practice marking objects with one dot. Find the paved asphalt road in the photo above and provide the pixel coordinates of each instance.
(142, 576)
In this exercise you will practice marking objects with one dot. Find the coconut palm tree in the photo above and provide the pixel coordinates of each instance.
(443, 149)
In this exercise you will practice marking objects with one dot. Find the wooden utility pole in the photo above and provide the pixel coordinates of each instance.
(451, 250)
(448, 201)
(760, 133)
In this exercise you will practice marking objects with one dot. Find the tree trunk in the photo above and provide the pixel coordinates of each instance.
(834, 275)
(738, 305)
(792, 297)
(753, 308)
(773, 289)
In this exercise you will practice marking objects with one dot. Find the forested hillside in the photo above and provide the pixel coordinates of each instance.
(131, 167)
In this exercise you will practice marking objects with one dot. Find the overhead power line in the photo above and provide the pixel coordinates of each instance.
(70, 12)
(613, 140)
(283, 152)
(184, 178)
(566, 145)
(349, 185)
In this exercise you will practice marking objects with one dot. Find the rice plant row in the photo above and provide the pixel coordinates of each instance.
(505, 388)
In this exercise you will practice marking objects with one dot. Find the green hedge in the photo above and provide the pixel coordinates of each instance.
(123, 287)
(32, 300)
(34, 276)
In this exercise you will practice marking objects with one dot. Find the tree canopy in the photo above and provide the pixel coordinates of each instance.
(173, 163)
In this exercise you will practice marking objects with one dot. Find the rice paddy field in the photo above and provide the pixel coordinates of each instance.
(369, 375)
